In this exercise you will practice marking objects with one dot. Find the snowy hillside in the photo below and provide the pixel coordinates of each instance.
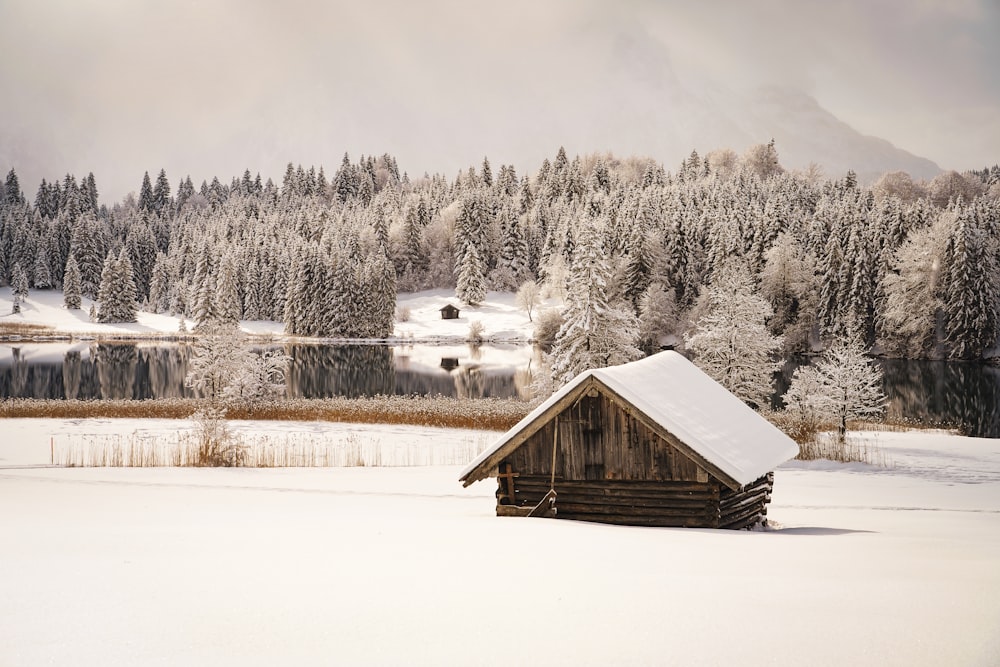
(391, 566)
(502, 320)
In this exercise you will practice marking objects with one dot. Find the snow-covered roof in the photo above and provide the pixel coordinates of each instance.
(679, 397)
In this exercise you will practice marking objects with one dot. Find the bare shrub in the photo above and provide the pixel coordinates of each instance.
(476, 331)
(547, 326)
(215, 445)
(403, 314)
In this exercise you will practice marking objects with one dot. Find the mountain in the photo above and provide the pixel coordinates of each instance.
(651, 106)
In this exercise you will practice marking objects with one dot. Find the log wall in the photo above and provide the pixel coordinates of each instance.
(665, 504)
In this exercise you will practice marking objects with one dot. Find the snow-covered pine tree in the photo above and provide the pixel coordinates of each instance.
(228, 307)
(86, 247)
(71, 285)
(117, 294)
(161, 194)
(159, 285)
(203, 300)
(512, 265)
(638, 266)
(142, 253)
(42, 276)
(12, 195)
(731, 341)
(471, 285)
(972, 292)
(146, 201)
(595, 333)
(107, 310)
(19, 285)
(381, 281)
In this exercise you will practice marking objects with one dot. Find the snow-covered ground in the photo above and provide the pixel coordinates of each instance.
(403, 566)
(501, 318)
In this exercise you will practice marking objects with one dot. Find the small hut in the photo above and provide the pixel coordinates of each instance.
(449, 312)
(655, 442)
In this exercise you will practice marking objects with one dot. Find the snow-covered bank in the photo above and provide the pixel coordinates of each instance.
(502, 319)
(866, 565)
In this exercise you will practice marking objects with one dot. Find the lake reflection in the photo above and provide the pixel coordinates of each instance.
(143, 371)
(962, 395)
(949, 394)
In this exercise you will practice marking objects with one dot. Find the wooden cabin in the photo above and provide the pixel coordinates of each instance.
(449, 312)
(655, 442)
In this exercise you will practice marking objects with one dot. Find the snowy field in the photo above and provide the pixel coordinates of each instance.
(502, 319)
(402, 566)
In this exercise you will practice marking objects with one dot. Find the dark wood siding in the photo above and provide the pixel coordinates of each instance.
(611, 468)
(598, 440)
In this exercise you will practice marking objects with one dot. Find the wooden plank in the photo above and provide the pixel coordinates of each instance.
(512, 510)
(655, 522)
(568, 509)
(623, 485)
(546, 507)
(483, 470)
(672, 439)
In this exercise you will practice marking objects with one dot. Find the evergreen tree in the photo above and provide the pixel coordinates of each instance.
(85, 248)
(487, 173)
(71, 285)
(19, 287)
(147, 202)
(117, 293)
(161, 194)
(142, 253)
(594, 333)
(471, 287)
(228, 306)
(90, 196)
(42, 277)
(12, 194)
(972, 296)
(203, 301)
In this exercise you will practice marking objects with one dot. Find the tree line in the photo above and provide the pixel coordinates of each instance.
(909, 269)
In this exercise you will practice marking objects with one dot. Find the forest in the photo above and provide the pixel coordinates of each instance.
(910, 269)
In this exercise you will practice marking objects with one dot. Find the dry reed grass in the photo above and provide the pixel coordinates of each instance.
(485, 414)
(819, 439)
(24, 329)
(186, 449)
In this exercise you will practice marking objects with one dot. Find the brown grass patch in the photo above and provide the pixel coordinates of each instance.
(24, 329)
(484, 414)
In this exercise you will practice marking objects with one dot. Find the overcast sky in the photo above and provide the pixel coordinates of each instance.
(119, 87)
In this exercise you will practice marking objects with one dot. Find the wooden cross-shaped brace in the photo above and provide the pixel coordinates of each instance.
(505, 480)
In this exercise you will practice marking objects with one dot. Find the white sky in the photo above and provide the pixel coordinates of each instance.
(204, 88)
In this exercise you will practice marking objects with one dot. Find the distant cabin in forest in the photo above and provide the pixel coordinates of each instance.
(655, 442)
(449, 312)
